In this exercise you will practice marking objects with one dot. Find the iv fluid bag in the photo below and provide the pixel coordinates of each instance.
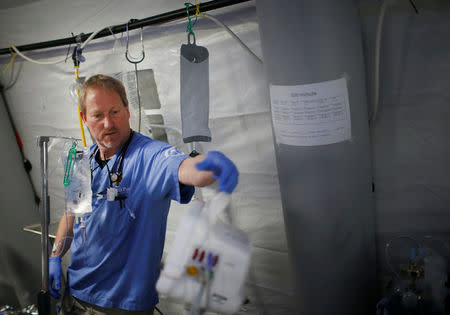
(78, 193)
(194, 93)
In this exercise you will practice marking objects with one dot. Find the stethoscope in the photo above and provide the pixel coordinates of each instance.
(115, 177)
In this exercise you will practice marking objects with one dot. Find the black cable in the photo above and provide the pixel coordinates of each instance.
(414, 6)
(153, 20)
(26, 163)
(156, 308)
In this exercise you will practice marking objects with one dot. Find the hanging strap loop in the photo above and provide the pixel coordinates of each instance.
(189, 38)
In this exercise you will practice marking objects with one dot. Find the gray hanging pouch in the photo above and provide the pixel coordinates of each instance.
(194, 93)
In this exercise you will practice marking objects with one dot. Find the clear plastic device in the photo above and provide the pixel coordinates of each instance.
(77, 181)
(70, 183)
(209, 260)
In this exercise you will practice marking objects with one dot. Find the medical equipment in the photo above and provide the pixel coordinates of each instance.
(74, 90)
(209, 260)
(194, 89)
(418, 284)
(77, 181)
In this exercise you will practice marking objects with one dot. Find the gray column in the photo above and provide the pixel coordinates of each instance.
(326, 189)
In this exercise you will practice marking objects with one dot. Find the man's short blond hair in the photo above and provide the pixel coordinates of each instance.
(102, 81)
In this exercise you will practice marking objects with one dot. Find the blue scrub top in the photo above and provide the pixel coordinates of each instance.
(116, 251)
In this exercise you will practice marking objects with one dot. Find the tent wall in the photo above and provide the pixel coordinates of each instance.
(410, 134)
(19, 251)
(409, 152)
(239, 120)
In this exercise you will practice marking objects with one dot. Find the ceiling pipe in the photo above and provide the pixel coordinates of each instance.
(153, 20)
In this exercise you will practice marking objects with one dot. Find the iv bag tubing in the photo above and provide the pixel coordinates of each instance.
(153, 20)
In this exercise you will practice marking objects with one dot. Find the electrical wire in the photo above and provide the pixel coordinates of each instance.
(36, 61)
(218, 22)
(414, 6)
(52, 62)
(13, 76)
(26, 163)
(376, 91)
(11, 62)
(11, 66)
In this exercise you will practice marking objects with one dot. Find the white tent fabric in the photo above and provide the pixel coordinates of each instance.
(410, 151)
(239, 121)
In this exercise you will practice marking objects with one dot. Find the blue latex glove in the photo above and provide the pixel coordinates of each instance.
(54, 274)
(223, 169)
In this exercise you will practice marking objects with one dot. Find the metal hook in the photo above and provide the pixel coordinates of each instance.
(135, 62)
(130, 59)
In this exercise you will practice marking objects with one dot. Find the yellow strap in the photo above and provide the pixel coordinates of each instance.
(13, 56)
(83, 138)
(198, 13)
(81, 126)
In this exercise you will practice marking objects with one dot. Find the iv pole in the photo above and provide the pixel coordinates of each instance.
(44, 295)
(44, 304)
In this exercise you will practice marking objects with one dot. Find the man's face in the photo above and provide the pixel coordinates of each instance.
(107, 119)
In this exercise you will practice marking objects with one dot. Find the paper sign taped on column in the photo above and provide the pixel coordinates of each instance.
(311, 114)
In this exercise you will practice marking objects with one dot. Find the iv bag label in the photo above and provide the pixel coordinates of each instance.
(311, 114)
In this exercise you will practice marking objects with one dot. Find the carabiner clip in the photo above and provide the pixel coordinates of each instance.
(132, 59)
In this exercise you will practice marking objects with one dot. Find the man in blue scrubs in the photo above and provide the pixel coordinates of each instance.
(116, 250)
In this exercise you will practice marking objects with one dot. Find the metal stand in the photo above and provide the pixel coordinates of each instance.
(44, 295)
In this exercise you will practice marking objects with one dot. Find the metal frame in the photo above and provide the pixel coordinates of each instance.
(44, 209)
(44, 296)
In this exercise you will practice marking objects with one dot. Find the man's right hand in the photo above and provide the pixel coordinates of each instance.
(54, 274)
(223, 169)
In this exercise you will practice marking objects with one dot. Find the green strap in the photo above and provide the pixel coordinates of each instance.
(70, 162)
(190, 25)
